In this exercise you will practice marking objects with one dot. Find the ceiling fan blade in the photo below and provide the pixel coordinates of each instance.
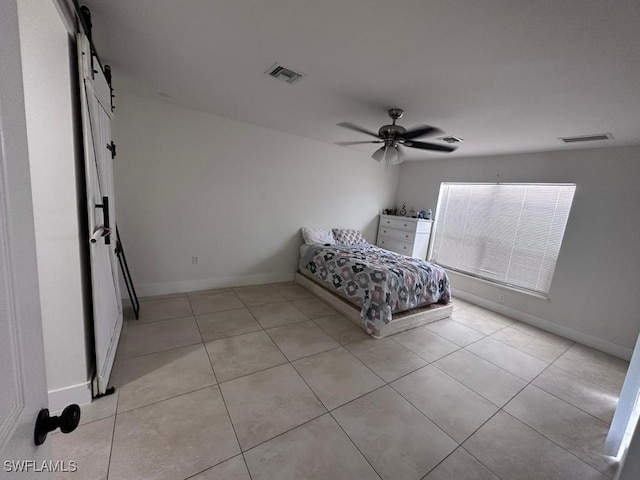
(356, 128)
(344, 144)
(421, 131)
(378, 155)
(429, 146)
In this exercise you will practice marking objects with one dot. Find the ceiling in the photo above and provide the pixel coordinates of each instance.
(505, 75)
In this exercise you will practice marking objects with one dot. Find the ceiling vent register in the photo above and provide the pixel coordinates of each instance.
(587, 138)
(283, 73)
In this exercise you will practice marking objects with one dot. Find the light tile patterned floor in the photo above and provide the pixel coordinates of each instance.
(268, 382)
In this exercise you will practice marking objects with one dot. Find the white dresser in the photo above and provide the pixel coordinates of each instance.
(409, 236)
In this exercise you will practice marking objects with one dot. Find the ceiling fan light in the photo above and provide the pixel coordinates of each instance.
(391, 154)
(396, 160)
(379, 154)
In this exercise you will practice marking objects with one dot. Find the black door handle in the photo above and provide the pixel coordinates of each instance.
(105, 217)
(67, 422)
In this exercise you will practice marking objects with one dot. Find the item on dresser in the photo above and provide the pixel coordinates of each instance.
(403, 210)
(317, 235)
(409, 236)
(346, 236)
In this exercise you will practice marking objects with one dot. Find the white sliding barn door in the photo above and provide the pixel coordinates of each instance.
(23, 390)
(626, 416)
(95, 95)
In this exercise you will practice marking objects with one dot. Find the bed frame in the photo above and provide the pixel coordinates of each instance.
(400, 321)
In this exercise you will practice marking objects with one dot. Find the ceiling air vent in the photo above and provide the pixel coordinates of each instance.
(451, 139)
(587, 138)
(283, 73)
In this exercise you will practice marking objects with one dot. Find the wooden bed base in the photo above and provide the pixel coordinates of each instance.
(400, 322)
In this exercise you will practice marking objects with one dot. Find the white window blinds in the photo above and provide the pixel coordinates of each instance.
(507, 233)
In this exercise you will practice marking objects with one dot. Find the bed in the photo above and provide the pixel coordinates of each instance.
(381, 291)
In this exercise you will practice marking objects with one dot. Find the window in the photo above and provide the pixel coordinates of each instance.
(506, 233)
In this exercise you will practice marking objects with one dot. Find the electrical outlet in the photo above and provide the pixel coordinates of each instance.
(194, 260)
(501, 298)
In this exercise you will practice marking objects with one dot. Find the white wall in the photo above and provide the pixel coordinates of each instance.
(595, 294)
(233, 194)
(48, 83)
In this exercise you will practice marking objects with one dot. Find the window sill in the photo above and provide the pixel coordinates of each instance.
(501, 286)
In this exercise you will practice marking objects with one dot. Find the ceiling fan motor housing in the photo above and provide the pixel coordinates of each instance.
(391, 131)
(395, 113)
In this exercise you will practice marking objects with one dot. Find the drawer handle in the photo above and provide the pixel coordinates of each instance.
(404, 248)
(406, 236)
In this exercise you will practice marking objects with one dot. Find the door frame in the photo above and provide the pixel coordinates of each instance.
(18, 263)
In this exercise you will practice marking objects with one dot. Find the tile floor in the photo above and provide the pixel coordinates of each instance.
(268, 382)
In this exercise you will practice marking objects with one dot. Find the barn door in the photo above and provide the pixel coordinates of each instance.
(628, 409)
(95, 95)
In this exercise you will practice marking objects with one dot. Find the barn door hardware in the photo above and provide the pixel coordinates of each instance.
(107, 76)
(105, 216)
(124, 266)
(112, 148)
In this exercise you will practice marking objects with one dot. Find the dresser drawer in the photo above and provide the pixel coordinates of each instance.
(388, 222)
(395, 234)
(406, 224)
(402, 223)
(395, 246)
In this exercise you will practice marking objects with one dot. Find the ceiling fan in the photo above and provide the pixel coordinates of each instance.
(395, 137)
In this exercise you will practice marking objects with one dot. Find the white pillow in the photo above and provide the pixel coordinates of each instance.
(322, 236)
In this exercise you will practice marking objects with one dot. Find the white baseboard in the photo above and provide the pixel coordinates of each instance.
(79, 394)
(183, 286)
(575, 335)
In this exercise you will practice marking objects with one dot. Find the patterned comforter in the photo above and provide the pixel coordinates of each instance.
(380, 282)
